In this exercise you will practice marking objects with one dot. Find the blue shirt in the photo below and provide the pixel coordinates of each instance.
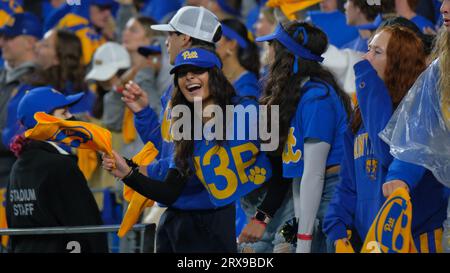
(334, 24)
(319, 115)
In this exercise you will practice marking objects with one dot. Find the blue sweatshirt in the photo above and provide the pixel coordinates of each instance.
(156, 129)
(358, 197)
(235, 167)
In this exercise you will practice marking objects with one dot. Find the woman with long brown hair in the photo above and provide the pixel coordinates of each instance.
(59, 56)
(228, 168)
(382, 80)
(313, 113)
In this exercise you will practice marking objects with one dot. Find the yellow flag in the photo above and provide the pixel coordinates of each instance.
(87, 162)
(77, 134)
(128, 129)
(344, 247)
(290, 7)
(137, 202)
(391, 230)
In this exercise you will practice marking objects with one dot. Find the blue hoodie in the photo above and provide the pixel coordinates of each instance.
(365, 166)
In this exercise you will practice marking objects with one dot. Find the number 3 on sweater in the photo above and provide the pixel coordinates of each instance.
(223, 169)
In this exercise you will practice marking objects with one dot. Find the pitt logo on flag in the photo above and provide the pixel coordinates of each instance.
(391, 229)
(190, 55)
(76, 134)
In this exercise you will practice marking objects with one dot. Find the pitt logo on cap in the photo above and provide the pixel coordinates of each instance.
(190, 55)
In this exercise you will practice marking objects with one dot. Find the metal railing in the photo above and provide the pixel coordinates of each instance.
(138, 228)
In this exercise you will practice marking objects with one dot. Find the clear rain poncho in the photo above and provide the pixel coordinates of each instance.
(418, 132)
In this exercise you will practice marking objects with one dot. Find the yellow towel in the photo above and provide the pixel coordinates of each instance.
(290, 7)
(137, 202)
(342, 247)
(77, 134)
(85, 135)
(128, 129)
(391, 229)
(87, 162)
(3, 224)
(7, 11)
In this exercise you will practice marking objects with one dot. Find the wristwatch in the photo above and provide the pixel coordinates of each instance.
(261, 216)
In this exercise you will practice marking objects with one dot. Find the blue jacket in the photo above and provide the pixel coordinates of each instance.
(358, 197)
(335, 26)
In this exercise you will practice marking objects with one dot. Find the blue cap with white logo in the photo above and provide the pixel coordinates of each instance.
(42, 99)
(196, 57)
(23, 24)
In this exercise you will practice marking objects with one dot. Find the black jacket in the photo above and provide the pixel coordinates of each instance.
(47, 189)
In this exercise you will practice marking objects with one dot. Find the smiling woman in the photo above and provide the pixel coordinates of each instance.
(228, 169)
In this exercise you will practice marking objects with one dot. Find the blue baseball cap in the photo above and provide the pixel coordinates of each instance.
(23, 24)
(196, 57)
(290, 44)
(149, 50)
(42, 99)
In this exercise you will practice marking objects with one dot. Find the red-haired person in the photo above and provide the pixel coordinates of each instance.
(382, 80)
(419, 131)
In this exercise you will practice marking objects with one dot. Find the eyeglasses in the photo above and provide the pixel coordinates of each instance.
(183, 71)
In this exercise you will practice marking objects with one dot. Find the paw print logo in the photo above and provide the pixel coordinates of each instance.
(257, 175)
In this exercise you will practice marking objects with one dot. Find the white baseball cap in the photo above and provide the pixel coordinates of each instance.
(196, 22)
(108, 59)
